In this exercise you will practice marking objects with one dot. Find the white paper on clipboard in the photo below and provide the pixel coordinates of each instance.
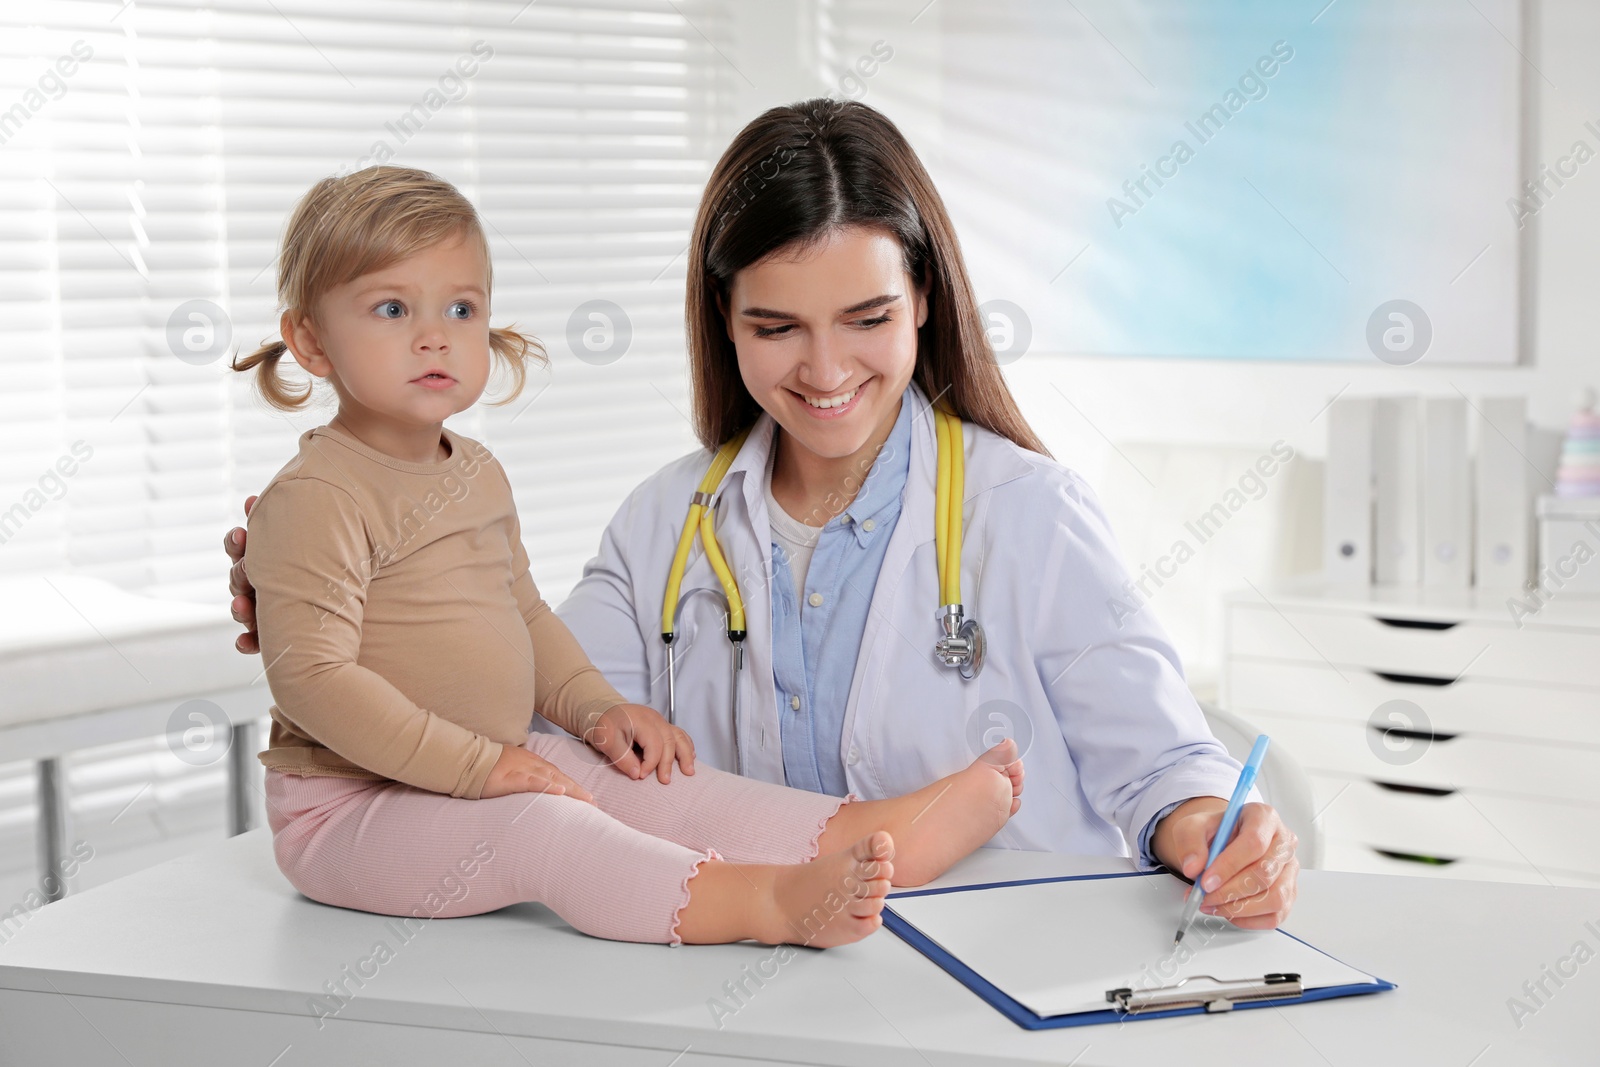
(1056, 947)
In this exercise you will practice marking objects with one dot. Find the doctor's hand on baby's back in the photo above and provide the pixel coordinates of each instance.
(239, 587)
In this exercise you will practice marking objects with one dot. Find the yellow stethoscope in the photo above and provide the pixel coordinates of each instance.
(962, 644)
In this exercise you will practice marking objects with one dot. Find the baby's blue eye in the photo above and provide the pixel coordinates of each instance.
(462, 309)
(390, 309)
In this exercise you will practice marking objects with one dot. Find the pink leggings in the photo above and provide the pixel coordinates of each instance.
(618, 868)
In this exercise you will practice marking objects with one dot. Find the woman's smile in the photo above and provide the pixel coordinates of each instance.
(833, 405)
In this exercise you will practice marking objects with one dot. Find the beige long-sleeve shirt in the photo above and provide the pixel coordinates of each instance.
(402, 633)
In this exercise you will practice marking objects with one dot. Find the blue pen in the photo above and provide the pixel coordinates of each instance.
(1247, 778)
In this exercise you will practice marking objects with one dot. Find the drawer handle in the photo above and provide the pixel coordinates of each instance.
(1413, 679)
(1416, 624)
(1413, 735)
(1417, 790)
(1416, 857)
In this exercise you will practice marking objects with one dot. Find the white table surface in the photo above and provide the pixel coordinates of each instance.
(213, 958)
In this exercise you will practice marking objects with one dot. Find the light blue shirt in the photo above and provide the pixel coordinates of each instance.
(824, 631)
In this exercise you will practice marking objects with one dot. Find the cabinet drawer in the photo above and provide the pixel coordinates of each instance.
(1363, 859)
(1468, 705)
(1479, 648)
(1461, 825)
(1349, 749)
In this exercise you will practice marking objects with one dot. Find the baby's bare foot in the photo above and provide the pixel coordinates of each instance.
(956, 815)
(834, 899)
(1004, 756)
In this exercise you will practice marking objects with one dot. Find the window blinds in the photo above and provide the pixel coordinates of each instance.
(145, 193)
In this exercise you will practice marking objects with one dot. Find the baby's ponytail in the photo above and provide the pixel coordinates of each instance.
(516, 351)
(274, 389)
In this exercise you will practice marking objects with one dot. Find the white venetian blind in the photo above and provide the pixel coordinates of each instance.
(144, 196)
(144, 182)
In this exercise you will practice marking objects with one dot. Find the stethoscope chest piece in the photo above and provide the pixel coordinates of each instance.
(963, 645)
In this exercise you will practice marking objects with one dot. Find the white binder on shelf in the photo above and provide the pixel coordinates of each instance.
(1502, 508)
(1397, 494)
(1347, 493)
(1446, 500)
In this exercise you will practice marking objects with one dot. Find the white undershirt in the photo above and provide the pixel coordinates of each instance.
(797, 540)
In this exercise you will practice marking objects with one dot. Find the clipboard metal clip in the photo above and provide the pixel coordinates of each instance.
(1221, 995)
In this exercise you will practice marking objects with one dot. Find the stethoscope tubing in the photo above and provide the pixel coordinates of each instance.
(962, 645)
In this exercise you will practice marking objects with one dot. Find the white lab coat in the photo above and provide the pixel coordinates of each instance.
(1111, 731)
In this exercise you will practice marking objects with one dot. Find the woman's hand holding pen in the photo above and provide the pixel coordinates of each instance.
(520, 771)
(1255, 880)
(638, 740)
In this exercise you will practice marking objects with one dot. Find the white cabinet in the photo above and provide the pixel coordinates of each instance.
(1443, 734)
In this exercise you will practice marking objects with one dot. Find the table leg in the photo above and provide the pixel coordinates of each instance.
(241, 765)
(52, 784)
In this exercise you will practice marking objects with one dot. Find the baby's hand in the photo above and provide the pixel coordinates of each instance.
(637, 740)
(520, 771)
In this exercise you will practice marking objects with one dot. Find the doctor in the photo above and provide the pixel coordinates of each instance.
(829, 311)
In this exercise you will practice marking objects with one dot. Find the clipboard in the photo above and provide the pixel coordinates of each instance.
(1158, 998)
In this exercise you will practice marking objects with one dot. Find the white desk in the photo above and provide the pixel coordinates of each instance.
(211, 959)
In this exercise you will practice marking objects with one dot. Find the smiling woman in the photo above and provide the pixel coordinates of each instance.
(829, 312)
(775, 194)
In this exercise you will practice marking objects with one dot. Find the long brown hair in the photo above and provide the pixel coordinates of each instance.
(794, 175)
(348, 226)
